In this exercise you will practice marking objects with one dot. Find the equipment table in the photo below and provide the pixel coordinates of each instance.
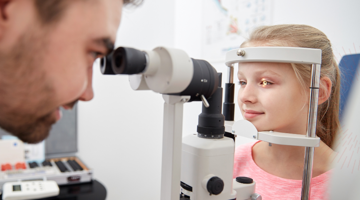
(93, 190)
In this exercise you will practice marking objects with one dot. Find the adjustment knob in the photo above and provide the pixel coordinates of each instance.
(215, 185)
(244, 180)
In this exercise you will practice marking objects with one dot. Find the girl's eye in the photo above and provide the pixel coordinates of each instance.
(242, 83)
(265, 83)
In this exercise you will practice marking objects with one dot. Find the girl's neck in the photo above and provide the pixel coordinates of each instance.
(288, 161)
(281, 153)
(285, 152)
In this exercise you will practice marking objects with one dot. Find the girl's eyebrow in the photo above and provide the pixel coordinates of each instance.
(261, 73)
(265, 72)
(239, 73)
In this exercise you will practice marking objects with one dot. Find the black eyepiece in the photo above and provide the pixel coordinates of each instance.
(128, 61)
(105, 64)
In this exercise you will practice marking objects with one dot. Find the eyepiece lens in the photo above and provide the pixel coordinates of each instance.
(102, 62)
(118, 60)
(105, 65)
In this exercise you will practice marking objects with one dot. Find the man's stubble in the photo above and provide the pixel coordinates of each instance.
(25, 92)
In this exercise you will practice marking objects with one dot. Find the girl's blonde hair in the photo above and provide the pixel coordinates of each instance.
(309, 37)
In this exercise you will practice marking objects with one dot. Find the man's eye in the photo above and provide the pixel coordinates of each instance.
(96, 54)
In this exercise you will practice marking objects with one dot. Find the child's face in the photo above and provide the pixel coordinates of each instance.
(272, 98)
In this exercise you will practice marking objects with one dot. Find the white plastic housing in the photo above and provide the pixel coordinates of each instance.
(204, 158)
(247, 129)
(168, 71)
(288, 139)
(174, 72)
(244, 191)
(137, 82)
(30, 190)
(14, 151)
(275, 54)
(228, 126)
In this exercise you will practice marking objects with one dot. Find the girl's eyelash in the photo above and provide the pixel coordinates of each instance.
(262, 82)
(265, 82)
(241, 83)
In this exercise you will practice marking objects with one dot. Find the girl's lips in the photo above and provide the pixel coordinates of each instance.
(249, 114)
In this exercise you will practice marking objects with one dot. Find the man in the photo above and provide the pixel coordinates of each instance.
(47, 50)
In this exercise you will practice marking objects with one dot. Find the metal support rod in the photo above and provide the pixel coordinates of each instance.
(311, 130)
(231, 74)
(229, 106)
(172, 141)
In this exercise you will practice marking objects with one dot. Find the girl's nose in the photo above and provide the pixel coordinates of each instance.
(247, 94)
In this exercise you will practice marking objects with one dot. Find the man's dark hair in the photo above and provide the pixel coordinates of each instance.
(51, 10)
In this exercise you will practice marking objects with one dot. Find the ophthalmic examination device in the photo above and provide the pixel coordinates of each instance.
(200, 166)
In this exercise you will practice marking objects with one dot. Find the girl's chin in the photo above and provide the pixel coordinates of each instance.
(262, 127)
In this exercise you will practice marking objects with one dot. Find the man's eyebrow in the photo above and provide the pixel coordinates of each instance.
(107, 43)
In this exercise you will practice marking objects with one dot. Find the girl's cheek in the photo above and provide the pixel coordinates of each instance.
(239, 96)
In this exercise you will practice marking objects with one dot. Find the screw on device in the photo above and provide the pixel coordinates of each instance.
(241, 52)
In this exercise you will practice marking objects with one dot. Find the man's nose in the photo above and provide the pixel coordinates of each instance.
(88, 94)
(248, 94)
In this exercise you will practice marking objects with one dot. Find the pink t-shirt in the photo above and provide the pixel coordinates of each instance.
(271, 187)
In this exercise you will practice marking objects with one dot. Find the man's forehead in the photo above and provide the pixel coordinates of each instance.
(98, 18)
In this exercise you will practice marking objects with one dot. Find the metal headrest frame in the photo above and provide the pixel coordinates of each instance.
(288, 55)
(274, 54)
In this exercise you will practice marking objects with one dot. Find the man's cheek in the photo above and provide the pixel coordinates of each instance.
(72, 89)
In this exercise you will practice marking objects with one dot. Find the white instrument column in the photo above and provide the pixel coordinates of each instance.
(172, 142)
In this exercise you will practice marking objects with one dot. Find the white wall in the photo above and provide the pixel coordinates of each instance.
(337, 19)
(189, 37)
(120, 131)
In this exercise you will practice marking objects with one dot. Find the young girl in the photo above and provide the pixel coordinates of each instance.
(275, 96)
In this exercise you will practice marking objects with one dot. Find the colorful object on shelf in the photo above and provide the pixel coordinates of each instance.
(20, 165)
(6, 166)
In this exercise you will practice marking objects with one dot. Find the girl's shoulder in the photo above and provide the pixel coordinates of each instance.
(243, 161)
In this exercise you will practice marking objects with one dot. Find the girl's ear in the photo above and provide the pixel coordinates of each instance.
(325, 89)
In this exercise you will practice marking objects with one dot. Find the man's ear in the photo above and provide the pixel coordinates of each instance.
(15, 18)
(3, 15)
(324, 90)
(3, 11)
(3, 4)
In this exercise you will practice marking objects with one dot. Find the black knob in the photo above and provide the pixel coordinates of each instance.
(215, 185)
(243, 179)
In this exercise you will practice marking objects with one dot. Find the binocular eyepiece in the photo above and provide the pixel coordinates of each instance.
(163, 70)
(124, 61)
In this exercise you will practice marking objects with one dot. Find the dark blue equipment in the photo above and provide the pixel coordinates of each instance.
(349, 65)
